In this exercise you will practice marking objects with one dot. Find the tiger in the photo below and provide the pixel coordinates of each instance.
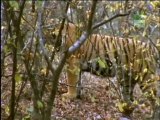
(130, 61)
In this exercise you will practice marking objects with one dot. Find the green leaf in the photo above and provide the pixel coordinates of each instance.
(40, 104)
(14, 4)
(121, 106)
(18, 77)
(102, 63)
(10, 42)
(139, 23)
(28, 117)
(139, 16)
(7, 110)
(7, 49)
(39, 3)
(136, 17)
(139, 20)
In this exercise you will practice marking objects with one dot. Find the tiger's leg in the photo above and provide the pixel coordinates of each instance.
(127, 84)
(73, 75)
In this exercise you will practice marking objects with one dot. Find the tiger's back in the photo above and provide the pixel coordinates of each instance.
(117, 52)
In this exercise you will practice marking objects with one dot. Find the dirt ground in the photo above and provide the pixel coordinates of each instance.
(98, 101)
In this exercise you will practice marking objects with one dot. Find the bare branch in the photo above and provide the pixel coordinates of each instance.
(108, 20)
(17, 32)
(56, 72)
(85, 35)
(91, 16)
(78, 43)
(60, 32)
(42, 39)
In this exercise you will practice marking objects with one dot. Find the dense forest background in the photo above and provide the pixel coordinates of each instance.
(33, 70)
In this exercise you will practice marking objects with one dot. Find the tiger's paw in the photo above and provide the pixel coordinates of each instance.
(69, 96)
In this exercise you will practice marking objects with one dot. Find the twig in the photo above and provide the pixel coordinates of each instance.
(85, 35)
(41, 41)
(16, 25)
(108, 20)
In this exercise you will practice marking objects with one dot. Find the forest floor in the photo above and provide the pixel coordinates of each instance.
(99, 101)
